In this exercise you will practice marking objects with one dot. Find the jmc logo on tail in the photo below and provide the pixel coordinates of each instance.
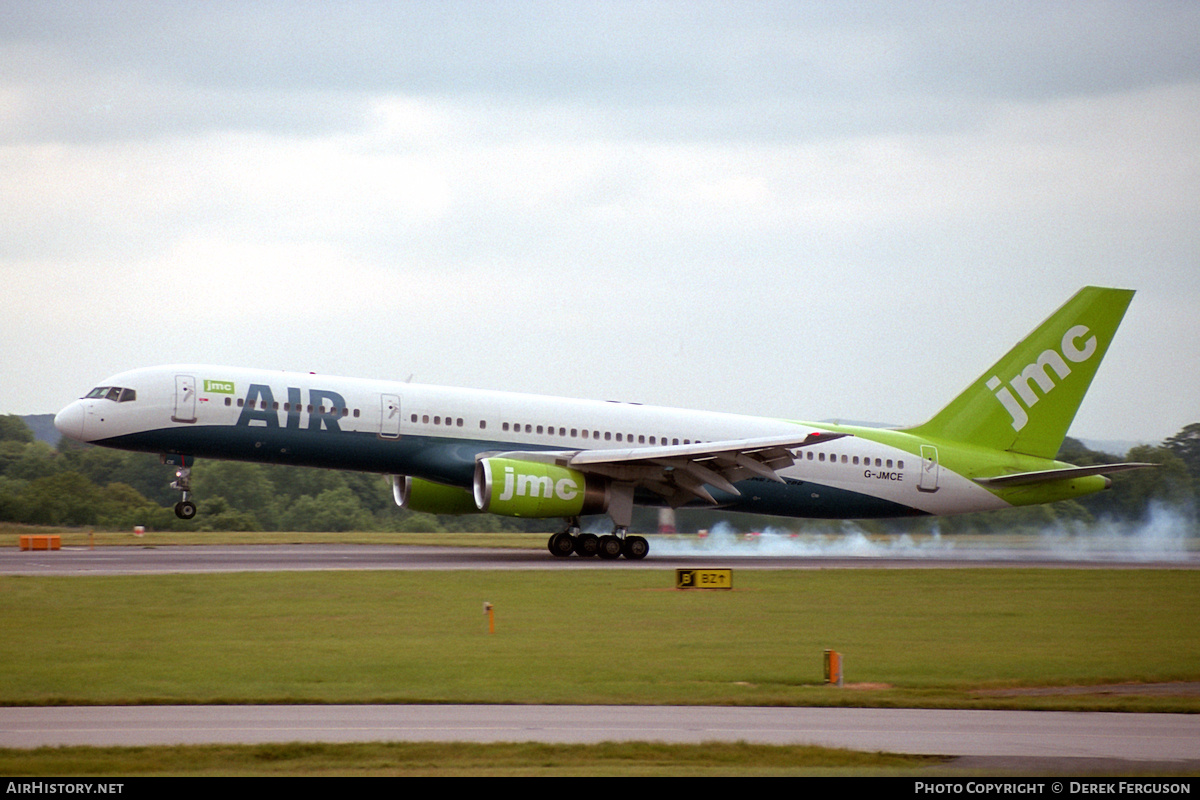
(1039, 372)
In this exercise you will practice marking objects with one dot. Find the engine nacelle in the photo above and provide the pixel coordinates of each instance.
(416, 494)
(515, 488)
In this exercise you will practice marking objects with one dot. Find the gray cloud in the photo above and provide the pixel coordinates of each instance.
(659, 70)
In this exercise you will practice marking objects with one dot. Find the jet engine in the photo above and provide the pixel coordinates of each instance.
(416, 494)
(514, 488)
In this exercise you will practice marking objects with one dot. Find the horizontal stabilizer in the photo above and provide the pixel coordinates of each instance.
(1043, 476)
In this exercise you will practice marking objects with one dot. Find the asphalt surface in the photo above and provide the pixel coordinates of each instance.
(1012, 734)
(148, 558)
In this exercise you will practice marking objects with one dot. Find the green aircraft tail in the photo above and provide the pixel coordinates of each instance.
(1025, 403)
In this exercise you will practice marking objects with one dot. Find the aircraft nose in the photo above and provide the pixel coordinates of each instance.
(69, 421)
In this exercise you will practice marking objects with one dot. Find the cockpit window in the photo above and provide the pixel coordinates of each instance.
(115, 393)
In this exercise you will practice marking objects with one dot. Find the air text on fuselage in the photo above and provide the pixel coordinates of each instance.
(260, 408)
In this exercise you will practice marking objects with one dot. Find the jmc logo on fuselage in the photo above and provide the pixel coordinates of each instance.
(324, 408)
(1039, 372)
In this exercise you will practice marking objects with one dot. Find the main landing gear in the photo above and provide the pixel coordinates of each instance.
(585, 545)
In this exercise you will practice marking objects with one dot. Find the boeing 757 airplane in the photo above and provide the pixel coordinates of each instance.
(449, 451)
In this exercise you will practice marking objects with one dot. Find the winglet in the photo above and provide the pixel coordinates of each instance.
(1025, 403)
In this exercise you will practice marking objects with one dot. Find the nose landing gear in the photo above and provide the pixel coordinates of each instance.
(185, 508)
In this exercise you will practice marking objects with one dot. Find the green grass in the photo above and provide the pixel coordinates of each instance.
(940, 638)
(83, 537)
(459, 759)
(910, 637)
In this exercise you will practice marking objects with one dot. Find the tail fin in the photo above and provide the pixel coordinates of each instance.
(1026, 402)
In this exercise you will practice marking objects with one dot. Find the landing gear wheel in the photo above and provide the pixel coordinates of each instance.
(610, 547)
(561, 544)
(635, 548)
(185, 508)
(587, 545)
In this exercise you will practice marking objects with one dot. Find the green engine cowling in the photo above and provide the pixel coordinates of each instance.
(514, 488)
(416, 494)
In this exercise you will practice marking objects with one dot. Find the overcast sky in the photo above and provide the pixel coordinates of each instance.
(804, 210)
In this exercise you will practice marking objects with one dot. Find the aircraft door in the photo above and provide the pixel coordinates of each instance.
(929, 469)
(185, 399)
(389, 419)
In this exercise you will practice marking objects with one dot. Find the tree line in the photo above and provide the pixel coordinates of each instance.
(76, 484)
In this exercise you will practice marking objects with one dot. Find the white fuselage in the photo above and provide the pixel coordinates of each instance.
(436, 433)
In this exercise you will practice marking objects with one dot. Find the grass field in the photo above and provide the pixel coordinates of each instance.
(972, 638)
(952, 638)
(625, 759)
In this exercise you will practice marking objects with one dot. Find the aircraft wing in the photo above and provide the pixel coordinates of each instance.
(679, 473)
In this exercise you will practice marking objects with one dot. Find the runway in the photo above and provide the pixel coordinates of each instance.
(1173, 738)
(1157, 738)
(149, 559)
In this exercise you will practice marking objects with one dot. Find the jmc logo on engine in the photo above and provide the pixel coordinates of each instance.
(523, 485)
